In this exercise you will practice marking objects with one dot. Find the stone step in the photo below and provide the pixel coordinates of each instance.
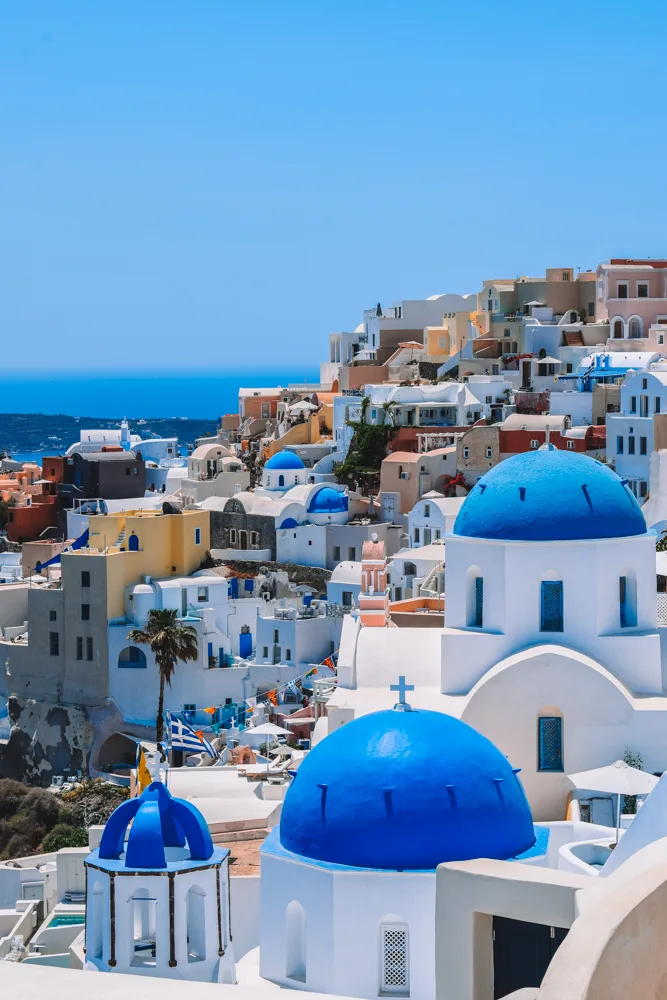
(232, 836)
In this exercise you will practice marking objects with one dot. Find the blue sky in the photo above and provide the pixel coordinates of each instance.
(221, 183)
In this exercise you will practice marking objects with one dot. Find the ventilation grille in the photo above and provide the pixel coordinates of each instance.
(395, 961)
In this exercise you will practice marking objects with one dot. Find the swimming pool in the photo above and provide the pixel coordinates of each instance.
(67, 919)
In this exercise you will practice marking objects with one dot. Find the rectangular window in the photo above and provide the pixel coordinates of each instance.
(591, 309)
(437, 532)
(85, 612)
(276, 635)
(642, 446)
(631, 445)
(352, 553)
(570, 445)
(534, 444)
(644, 383)
(551, 612)
(85, 578)
(54, 644)
(619, 445)
(643, 488)
(79, 647)
(622, 290)
(643, 406)
(656, 408)
(265, 652)
(479, 601)
(627, 609)
(633, 404)
(232, 536)
(550, 743)
(416, 535)
(52, 616)
(89, 647)
(254, 537)
(197, 536)
(202, 593)
(427, 510)
(395, 977)
(336, 553)
(568, 368)
(642, 289)
(288, 654)
(347, 598)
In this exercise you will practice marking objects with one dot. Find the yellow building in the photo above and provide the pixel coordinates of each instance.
(450, 338)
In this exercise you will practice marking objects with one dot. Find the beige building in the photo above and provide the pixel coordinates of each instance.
(407, 475)
(477, 451)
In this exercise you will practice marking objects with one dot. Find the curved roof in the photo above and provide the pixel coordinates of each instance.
(284, 460)
(205, 450)
(405, 790)
(550, 495)
(160, 825)
(328, 501)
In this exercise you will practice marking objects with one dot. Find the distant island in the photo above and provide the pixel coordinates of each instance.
(54, 432)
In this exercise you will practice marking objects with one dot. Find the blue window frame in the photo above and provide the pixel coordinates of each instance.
(197, 536)
(550, 743)
(131, 656)
(551, 606)
(479, 601)
(619, 445)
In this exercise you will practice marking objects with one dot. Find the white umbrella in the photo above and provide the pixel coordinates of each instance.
(269, 729)
(546, 361)
(616, 779)
(302, 405)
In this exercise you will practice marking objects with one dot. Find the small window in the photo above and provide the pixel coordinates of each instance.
(135, 471)
(661, 338)
(127, 471)
(626, 602)
(85, 578)
(551, 614)
(643, 406)
(54, 644)
(310, 541)
(89, 647)
(288, 654)
(633, 404)
(85, 612)
(534, 444)
(550, 743)
(202, 593)
(489, 452)
(619, 445)
(656, 404)
(347, 598)
(642, 446)
(52, 616)
(631, 445)
(416, 534)
(276, 635)
(427, 510)
(336, 553)
(568, 368)
(395, 975)
(79, 647)
(642, 289)
(591, 309)
(197, 536)
(570, 445)
(232, 536)
(643, 488)
(466, 452)
(265, 652)
(254, 537)
(478, 609)
(622, 290)
(644, 383)
(352, 553)
(437, 532)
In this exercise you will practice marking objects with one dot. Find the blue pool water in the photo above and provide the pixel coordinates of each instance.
(67, 919)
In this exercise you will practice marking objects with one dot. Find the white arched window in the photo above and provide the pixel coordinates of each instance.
(394, 959)
(281, 480)
(195, 915)
(295, 941)
(617, 329)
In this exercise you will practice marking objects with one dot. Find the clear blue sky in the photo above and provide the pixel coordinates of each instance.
(223, 182)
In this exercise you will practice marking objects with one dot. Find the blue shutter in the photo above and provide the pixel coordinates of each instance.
(623, 600)
(550, 739)
(551, 617)
(479, 601)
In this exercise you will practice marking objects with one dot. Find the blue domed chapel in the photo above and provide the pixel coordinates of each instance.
(374, 808)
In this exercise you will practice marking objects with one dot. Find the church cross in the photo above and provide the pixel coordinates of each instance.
(402, 689)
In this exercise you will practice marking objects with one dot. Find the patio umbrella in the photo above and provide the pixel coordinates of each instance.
(269, 729)
(546, 361)
(616, 779)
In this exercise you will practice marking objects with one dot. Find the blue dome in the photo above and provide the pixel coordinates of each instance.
(550, 495)
(159, 822)
(328, 501)
(284, 460)
(405, 791)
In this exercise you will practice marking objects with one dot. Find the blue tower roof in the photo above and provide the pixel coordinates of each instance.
(328, 501)
(405, 790)
(550, 495)
(284, 460)
(159, 822)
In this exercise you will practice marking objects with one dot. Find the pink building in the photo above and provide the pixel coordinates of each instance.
(632, 296)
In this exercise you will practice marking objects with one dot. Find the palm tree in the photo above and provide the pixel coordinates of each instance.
(389, 410)
(169, 642)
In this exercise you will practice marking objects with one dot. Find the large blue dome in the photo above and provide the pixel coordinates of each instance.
(399, 790)
(165, 833)
(328, 501)
(284, 460)
(550, 495)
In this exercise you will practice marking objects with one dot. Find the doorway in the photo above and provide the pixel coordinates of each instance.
(243, 539)
(522, 952)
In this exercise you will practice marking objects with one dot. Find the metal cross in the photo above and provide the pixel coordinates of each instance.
(402, 689)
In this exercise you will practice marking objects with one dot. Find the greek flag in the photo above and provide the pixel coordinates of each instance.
(182, 737)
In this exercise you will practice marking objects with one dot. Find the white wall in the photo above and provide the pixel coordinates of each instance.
(577, 405)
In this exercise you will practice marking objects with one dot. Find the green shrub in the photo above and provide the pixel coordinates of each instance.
(12, 794)
(63, 835)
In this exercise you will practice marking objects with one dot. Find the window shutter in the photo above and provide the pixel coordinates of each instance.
(550, 738)
(395, 972)
(479, 601)
(552, 606)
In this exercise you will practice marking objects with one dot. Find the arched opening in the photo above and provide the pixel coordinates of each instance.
(635, 327)
(295, 941)
(551, 606)
(195, 916)
(550, 739)
(394, 958)
(409, 569)
(281, 480)
(132, 656)
(95, 922)
(133, 543)
(144, 928)
(617, 329)
(475, 598)
(627, 599)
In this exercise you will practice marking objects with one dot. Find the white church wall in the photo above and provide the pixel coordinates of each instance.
(305, 545)
(600, 720)
(245, 896)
